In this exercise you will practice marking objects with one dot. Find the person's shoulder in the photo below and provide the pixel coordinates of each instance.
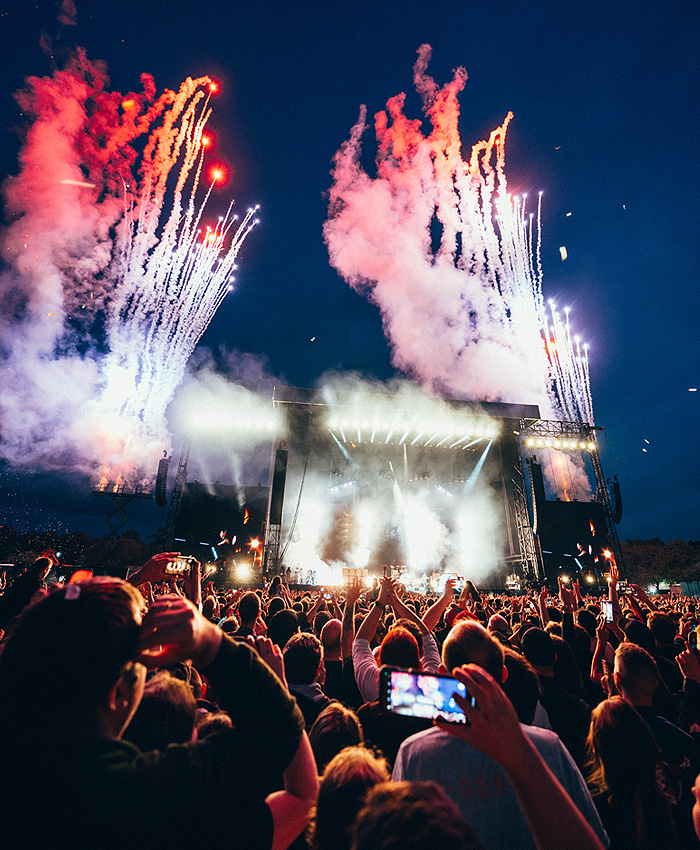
(542, 738)
(431, 740)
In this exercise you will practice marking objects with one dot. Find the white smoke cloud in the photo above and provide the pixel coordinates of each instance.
(463, 318)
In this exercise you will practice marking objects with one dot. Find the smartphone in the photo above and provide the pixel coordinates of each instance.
(179, 566)
(327, 595)
(693, 640)
(426, 695)
(607, 609)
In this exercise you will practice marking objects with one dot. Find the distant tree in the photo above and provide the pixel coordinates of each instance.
(653, 562)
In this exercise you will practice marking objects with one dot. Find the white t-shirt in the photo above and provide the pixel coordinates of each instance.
(480, 788)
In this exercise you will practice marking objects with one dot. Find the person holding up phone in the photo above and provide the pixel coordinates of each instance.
(71, 678)
(472, 776)
(493, 728)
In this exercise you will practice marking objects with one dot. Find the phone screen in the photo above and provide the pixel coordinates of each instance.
(178, 566)
(693, 639)
(608, 611)
(425, 695)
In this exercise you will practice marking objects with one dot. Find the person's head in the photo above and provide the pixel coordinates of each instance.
(554, 614)
(410, 626)
(330, 639)
(399, 649)
(662, 627)
(210, 608)
(69, 666)
(498, 625)
(621, 748)
(639, 633)
(588, 621)
(249, 608)
(282, 626)
(411, 816)
(209, 722)
(275, 584)
(344, 784)
(42, 567)
(302, 659)
(522, 685)
(567, 673)
(623, 756)
(470, 643)
(320, 621)
(636, 674)
(166, 714)
(276, 605)
(538, 648)
(335, 728)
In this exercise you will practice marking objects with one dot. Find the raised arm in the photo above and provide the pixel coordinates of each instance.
(555, 820)
(601, 633)
(405, 611)
(369, 625)
(347, 630)
(542, 606)
(432, 616)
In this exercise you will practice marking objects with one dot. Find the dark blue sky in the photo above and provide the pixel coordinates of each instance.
(606, 103)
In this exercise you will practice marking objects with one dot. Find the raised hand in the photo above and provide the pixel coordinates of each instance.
(173, 630)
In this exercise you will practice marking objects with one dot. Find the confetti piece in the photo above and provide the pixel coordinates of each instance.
(563, 252)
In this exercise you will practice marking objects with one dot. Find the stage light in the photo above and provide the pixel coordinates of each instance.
(590, 579)
(565, 579)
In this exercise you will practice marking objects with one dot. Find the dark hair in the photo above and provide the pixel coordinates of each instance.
(623, 756)
(567, 673)
(588, 621)
(411, 816)
(320, 621)
(165, 714)
(412, 628)
(64, 656)
(275, 605)
(282, 626)
(344, 783)
(335, 728)
(249, 607)
(639, 633)
(663, 628)
(470, 643)
(522, 687)
(538, 648)
(302, 656)
(209, 722)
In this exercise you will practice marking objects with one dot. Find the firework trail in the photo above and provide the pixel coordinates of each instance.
(112, 278)
(451, 259)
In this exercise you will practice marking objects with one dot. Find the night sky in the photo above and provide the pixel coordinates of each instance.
(607, 121)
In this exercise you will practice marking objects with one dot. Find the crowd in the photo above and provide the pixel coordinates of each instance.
(164, 711)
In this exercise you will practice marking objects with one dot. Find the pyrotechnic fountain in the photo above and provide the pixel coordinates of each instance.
(113, 276)
(452, 260)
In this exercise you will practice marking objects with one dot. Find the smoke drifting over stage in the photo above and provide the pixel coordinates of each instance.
(452, 260)
(113, 274)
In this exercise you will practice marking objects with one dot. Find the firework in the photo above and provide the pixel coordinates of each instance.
(113, 275)
(452, 260)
